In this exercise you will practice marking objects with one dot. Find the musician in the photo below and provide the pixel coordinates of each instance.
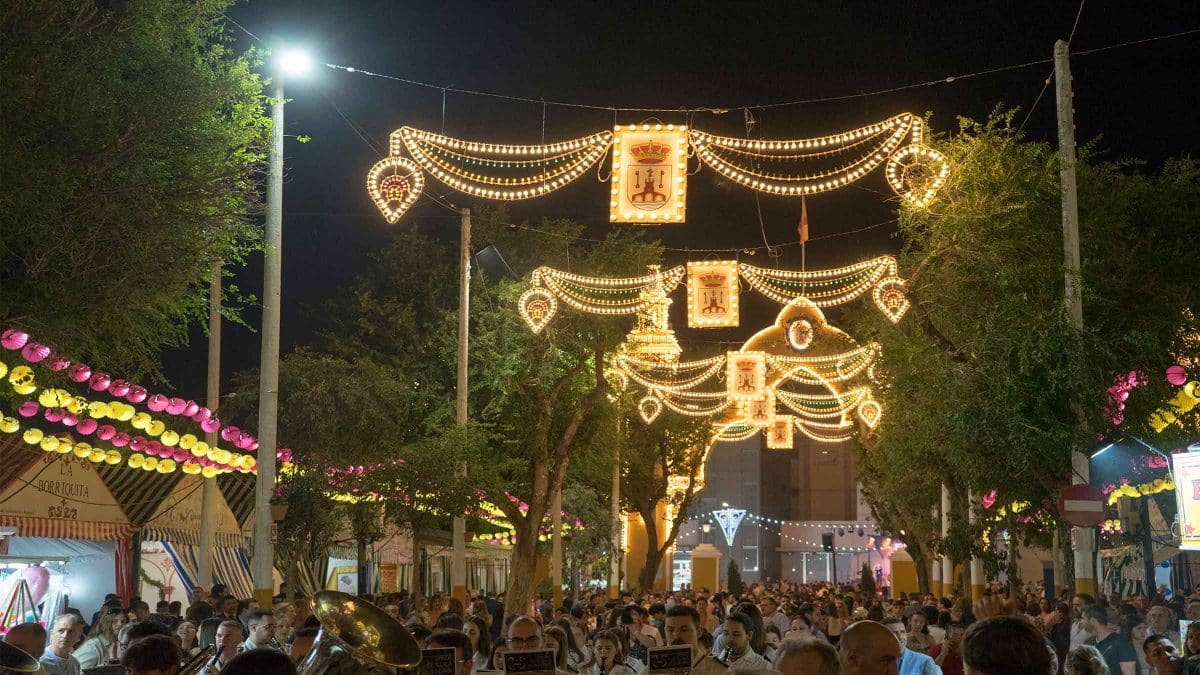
(228, 642)
(683, 628)
(262, 631)
(153, 655)
(606, 647)
(739, 631)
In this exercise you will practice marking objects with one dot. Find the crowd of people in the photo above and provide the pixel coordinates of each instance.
(790, 629)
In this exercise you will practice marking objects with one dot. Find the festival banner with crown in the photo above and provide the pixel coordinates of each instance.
(649, 174)
(746, 378)
(780, 432)
(712, 294)
(761, 412)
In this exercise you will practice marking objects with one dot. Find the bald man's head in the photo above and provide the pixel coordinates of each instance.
(30, 637)
(524, 633)
(869, 648)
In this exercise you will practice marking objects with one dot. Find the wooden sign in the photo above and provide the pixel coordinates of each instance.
(649, 174)
(712, 294)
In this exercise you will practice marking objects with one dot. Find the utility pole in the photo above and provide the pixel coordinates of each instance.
(208, 486)
(978, 582)
(458, 556)
(1085, 545)
(263, 561)
(614, 576)
(947, 564)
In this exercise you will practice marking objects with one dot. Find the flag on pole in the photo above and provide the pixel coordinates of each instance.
(802, 229)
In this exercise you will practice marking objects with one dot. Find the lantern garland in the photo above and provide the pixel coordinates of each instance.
(828, 288)
(594, 295)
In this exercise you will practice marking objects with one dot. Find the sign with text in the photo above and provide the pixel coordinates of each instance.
(674, 659)
(1186, 469)
(62, 487)
(438, 661)
(533, 661)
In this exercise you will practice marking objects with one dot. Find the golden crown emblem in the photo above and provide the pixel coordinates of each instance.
(713, 280)
(650, 152)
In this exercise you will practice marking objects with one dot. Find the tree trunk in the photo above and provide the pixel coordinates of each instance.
(921, 562)
(653, 553)
(1068, 558)
(1014, 562)
(519, 596)
(418, 571)
(293, 578)
(362, 566)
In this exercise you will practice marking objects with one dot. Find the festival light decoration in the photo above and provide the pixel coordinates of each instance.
(394, 184)
(712, 298)
(890, 298)
(826, 288)
(649, 174)
(746, 375)
(761, 412)
(799, 334)
(870, 412)
(649, 408)
(729, 520)
(824, 432)
(605, 295)
(537, 306)
(780, 433)
(652, 337)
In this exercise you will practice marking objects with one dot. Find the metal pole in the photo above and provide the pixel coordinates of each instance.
(1085, 546)
(947, 564)
(556, 555)
(977, 572)
(614, 576)
(208, 489)
(268, 383)
(458, 556)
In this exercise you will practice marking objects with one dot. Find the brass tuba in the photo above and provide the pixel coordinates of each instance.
(357, 637)
(17, 660)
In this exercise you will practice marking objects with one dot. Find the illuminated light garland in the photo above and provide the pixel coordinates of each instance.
(917, 172)
(824, 288)
(736, 432)
(823, 369)
(759, 520)
(629, 366)
(694, 410)
(602, 295)
(870, 412)
(569, 159)
(637, 194)
(394, 184)
(649, 408)
(890, 298)
(826, 433)
(823, 406)
(799, 334)
(537, 306)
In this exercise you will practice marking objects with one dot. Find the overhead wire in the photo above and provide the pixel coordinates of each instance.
(1050, 75)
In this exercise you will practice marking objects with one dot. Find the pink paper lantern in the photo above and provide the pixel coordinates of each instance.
(176, 406)
(244, 440)
(201, 414)
(87, 426)
(230, 433)
(106, 432)
(210, 425)
(1177, 375)
(14, 339)
(99, 382)
(70, 419)
(53, 414)
(35, 351)
(156, 448)
(58, 363)
(28, 409)
(120, 439)
(191, 408)
(253, 446)
(80, 372)
(157, 403)
(137, 394)
(137, 443)
(118, 388)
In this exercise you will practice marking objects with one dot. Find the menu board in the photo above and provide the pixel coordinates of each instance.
(534, 661)
(438, 661)
(674, 659)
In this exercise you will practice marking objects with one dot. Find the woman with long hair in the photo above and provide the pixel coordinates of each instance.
(919, 639)
(187, 638)
(481, 641)
(562, 651)
(1134, 629)
(101, 645)
(1086, 660)
(576, 657)
(609, 660)
(285, 617)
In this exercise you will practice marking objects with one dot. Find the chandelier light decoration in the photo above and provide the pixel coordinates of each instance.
(649, 169)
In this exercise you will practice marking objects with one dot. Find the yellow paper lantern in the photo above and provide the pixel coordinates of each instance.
(25, 389)
(76, 405)
(82, 450)
(3, 369)
(169, 438)
(208, 472)
(191, 468)
(166, 466)
(32, 436)
(222, 456)
(96, 456)
(249, 462)
(150, 463)
(235, 460)
(136, 460)
(126, 411)
(9, 424)
(140, 420)
(98, 409)
(155, 428)
(112, 457)
(50, 443)
(187, 441)
(48, 399)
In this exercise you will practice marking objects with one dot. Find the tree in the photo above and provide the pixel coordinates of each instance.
(132, 141)
(733, 580)
(986, 384)
(866, 582)
(313, 523)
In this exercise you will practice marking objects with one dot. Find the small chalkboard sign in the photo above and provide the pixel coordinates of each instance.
(671, 659)
(438, 661)
(531, 661)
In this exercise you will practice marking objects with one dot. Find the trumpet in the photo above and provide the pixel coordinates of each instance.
(194, 664)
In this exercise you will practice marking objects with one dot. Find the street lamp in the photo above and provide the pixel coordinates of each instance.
(292, 63)
(706, 528)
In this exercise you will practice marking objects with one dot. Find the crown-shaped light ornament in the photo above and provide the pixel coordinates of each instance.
(650, 152)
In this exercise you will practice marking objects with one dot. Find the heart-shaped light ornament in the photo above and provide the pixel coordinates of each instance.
(916, 172)
(869, 411)
(395, 183)
(890, 298)
(537, 306)
(649, 408)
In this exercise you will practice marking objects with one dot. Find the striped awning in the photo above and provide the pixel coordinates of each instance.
(238, 490)
(178, 536)
(139, 493)
(15, 458)
(54, 528)
(231, 567)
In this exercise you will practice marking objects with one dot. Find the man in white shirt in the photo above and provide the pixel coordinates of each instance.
(739, 631)
(261, 623)
(1079, 633)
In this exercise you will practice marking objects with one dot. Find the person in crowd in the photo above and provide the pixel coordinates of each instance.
(807, 657)
(1162, 655)
(496, 609)
(800, 630)
(1191, 648)
(524, 633)
(228, 640)
(919, 639)
(558, 639)
(739, 633)
(261, 633)
(773, 615)
(1005, 645)
(578, 655)
(1134, 629)
(1060, 632)
(198, 612)
(153, 655)
(771, 643)
(869, 648)
(708, 620)
(446, 638)
(1160, 620)
(498, 649)
(947, 654)
(1079, 633)
(285, 622)
(683, 628)
(606, 647)
(302, 642)
(101, 646)
(187, 634)
(1086, 660)
(64, 635)
(477, 631)
(30, 637)
(111, 603)
(910, 663)
(259, 662)
(1118, 651)
(838, 618)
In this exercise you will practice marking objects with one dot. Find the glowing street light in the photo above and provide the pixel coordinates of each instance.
(294, 62)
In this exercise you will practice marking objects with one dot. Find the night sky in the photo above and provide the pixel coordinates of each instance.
(1140, 99)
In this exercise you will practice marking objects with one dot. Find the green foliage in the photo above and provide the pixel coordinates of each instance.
(986, 384)
(132, 139)
(866, 582)
(733, 580)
